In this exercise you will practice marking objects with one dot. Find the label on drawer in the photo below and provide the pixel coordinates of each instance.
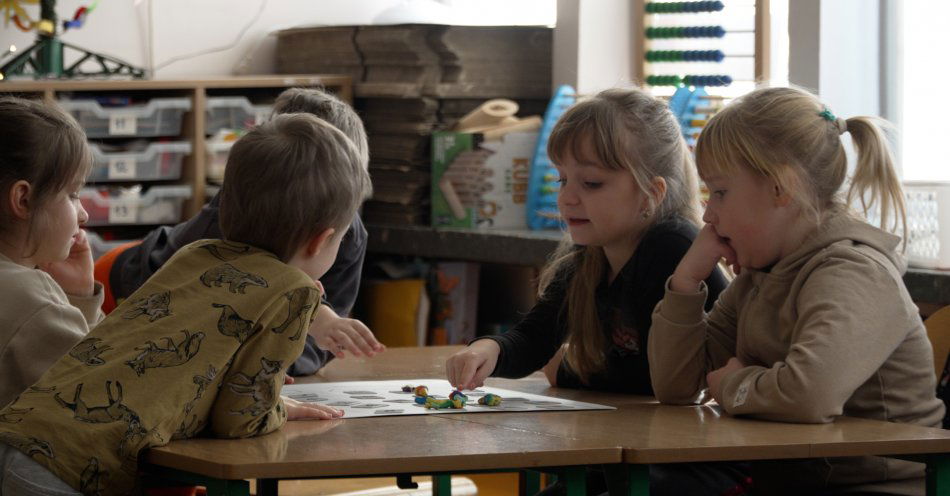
(122, 125)
(122, 213)
(122, 168)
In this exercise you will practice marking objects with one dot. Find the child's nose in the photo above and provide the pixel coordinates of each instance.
(567, 196)
(83, 215)
(709, 215)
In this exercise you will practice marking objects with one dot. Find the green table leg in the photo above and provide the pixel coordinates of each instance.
(266, 487)
(938, 475)
(575, 480)
(442, 485)
(219, 487)
(628, 480)
(529, 482)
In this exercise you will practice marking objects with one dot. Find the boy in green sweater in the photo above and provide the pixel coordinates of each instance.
(201, 347)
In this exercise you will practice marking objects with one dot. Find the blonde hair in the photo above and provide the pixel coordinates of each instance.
(44, 146)
(629, 130)
(788, 136)
(289, 179)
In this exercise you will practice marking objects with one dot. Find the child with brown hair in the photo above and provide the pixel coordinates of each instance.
(203, 345)
(333, 334)
(48, 299)
(818, 323)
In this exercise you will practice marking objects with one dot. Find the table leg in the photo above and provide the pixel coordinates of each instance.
(938, 475)
(529, 482)
(220, 487)
(442, 485)
(628, 480)
(575, 480)
(266, 487)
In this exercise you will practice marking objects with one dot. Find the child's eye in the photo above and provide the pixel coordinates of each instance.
(719, 193)
(74, 196)
(562, 181)
(592, 184)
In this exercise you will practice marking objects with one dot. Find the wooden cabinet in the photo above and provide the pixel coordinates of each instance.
(194, 126)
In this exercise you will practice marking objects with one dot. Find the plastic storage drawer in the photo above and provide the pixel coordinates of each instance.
(158, 162)
(158, 205)
(101, 246)
(217, 159)
(159, 117)
(233, 112)
(928, 224)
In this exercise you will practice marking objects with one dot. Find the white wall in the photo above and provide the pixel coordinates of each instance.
(184, 27)
(593, 45)
(835, 51)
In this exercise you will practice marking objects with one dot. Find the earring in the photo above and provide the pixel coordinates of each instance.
(646, 214)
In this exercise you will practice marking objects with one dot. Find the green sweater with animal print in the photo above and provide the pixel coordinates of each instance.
(199, 348)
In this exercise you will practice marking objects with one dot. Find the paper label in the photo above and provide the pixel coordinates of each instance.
(122, 212)
(122, 168)
(122, 125)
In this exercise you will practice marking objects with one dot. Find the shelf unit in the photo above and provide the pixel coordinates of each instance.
(930, 289)
(198, 91)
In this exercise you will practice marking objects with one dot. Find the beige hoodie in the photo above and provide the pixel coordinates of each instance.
(830, 330)
(40, 324)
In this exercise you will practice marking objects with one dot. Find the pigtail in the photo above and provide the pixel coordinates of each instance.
(875, 180)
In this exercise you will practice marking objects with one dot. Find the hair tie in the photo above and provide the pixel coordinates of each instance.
(840, 124)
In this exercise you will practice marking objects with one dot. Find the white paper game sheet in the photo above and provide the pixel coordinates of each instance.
(383, 398)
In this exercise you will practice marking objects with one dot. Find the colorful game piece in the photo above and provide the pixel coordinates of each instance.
(421, 399)
(458, 399)
(421, 391)
(433, 402)
(490, 400)
(407, 388)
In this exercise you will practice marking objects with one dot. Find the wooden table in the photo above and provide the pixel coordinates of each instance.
(639, 432)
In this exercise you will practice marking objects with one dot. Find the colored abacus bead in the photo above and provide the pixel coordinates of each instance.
(683, 7)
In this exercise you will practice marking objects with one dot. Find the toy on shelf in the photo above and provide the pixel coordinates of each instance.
(46, 57)
(543, 183)
(683, 7)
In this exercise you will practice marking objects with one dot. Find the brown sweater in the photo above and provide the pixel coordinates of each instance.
(201, 347)
(830, 330)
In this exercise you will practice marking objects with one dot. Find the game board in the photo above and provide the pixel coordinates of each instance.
(385, 398)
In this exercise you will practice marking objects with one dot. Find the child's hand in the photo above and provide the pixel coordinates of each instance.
(300, 410)
(714, 378)
(706, 251)
(339, 334)
(468, 368)
(75, 274)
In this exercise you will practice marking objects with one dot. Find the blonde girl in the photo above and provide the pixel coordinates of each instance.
(629, 199)
(818, 323)
(48, 298)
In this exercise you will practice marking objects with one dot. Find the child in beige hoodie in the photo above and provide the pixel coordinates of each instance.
(818, 322)
(48, 299)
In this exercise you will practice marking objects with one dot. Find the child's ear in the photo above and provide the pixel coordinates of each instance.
(659, 190)
(318, 241)
(782, 198)
(19, 199)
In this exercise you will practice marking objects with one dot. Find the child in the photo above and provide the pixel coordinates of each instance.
(629, 198)
(818, 323)
(44, 160)
(127, 267)
(202, 346)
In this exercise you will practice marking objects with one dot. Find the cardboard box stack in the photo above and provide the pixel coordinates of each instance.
(416, 79)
